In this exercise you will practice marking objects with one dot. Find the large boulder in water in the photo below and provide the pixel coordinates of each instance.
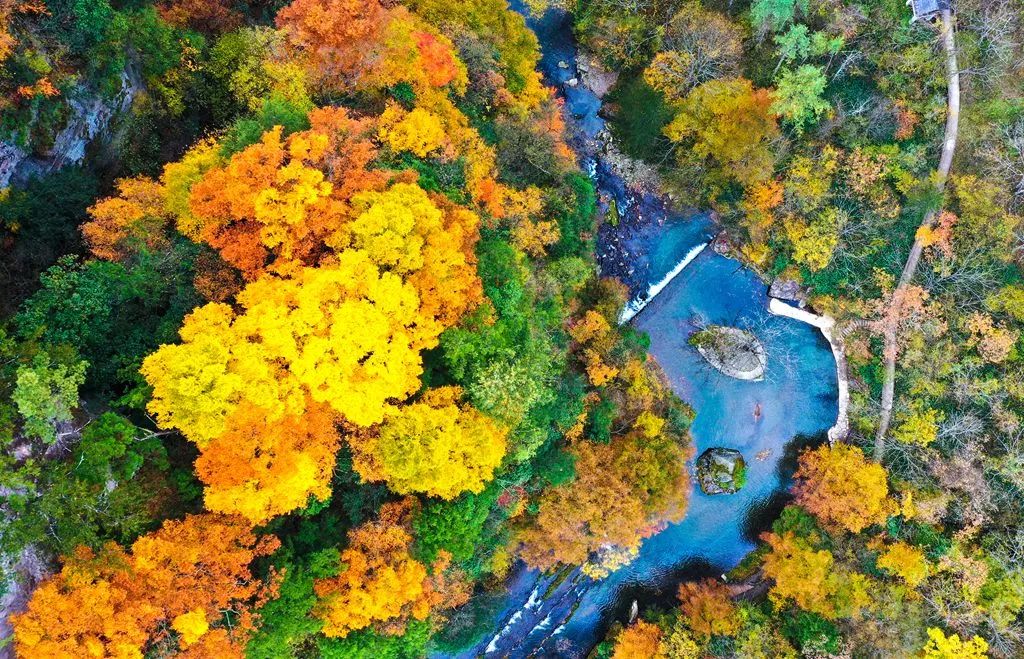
(735, 352)
(721, 471)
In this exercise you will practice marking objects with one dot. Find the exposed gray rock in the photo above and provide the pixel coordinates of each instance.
(788, 289)
(90, 116)
(735, 352)
(11, 156)
(595, 77)
(721, 471)
(22, 574)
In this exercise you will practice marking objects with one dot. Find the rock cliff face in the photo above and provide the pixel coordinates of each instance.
(734, 352)
(90, 117)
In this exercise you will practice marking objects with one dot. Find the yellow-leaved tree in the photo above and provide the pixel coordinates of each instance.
(810, 578)
(435, 446)
(260, 468)
(345, 335)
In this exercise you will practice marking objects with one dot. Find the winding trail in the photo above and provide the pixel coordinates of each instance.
(893, 315)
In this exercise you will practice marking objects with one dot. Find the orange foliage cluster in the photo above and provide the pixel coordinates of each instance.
(371, 46)
(381, 584)
(641, 640)
(207, 16)
(135, 218)
(841, 487)
(285, 198)
(623, 491)
(117, 603)
(708, 608)
(349, 44)
(262, 469)
(352, 271)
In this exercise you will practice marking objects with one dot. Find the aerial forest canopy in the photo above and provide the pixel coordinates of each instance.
(328, 350)
(304, 347)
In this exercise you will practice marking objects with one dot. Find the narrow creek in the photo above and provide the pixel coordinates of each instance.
(679, 286)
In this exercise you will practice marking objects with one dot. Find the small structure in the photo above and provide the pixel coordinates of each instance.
(925, 10)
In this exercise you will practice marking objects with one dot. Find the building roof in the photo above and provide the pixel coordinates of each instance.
(925, 9)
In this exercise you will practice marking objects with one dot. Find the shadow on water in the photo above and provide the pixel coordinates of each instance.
(764, 511)
(660, 593)
(791, 454)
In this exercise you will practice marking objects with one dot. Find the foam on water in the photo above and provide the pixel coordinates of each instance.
(638, 304)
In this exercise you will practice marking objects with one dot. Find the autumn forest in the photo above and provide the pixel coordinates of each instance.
(310, 345)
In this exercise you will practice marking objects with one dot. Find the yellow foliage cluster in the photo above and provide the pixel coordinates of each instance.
(364, 275)
(434, 446)
(920, 426)
(811, 579)
(419, 131)
(905, 561)
(940, 646)
(191, 626)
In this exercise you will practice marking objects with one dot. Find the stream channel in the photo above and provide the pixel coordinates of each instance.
(678, 286)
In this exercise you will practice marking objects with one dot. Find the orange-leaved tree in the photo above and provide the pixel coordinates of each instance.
(842, 488)
(622, 492)
(183, 577)
(134, 219)
(708, 608)
(260, 469)
(380, 584)
(641, 640)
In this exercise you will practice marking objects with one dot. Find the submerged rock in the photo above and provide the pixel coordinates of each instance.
(721, 471)
(735, 352)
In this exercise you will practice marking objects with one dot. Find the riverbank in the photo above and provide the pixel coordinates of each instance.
(677, 287)
(621, 242)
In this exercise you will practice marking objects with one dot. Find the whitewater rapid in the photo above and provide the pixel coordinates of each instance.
(640, 302)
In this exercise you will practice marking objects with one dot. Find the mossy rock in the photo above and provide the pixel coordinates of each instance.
(721, 471)
(735, 352)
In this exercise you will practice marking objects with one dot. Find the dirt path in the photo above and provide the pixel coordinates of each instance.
(891, 328)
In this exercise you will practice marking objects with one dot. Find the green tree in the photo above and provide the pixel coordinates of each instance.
(454, 526)
(798, 96)
(775, 14)
(46, 393)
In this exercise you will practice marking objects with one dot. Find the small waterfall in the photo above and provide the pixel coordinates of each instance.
(637, 304)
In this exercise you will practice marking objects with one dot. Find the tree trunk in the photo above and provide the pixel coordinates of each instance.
(910, 267)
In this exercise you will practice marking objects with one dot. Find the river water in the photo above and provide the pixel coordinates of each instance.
(656, 250)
